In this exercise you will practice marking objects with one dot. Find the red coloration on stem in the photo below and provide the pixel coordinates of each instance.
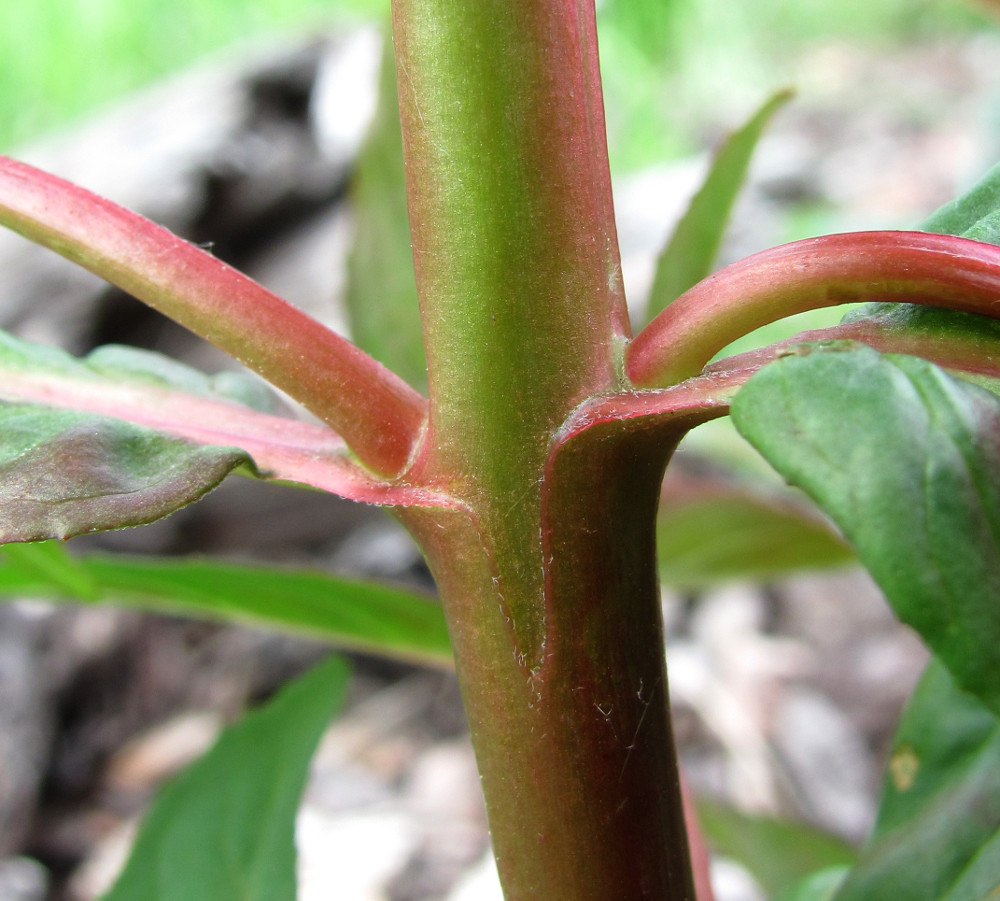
(701, 859)
(956, 354)
(378, 415)
(916, 267)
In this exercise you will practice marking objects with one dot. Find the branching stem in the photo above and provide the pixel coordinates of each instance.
(915, 267)
(377, 414)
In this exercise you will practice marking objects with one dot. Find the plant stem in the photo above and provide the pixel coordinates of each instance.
(575, 750)
(548, 578)
(915, 267)
(371, 408)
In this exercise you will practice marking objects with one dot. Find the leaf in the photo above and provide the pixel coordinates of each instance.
(906, 461)
(963, 343)
(64, 473)
(820, 886)
(224, 830)
(938, 831)
(976, 214)
(777, 853)
(160, 397)
(719, 536)
(381, 292)
(48, 564)
(349, 613)
(691, 251)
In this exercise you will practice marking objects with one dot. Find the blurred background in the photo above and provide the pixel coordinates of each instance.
(240, 124)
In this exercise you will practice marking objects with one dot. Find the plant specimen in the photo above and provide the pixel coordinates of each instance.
(530, 472)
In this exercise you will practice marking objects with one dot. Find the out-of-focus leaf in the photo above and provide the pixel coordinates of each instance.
(349, 613)
(711, 538)
(777, 853)
(821, 886)
(63, 473)
(46, 564)
(225, 829)
(938, 831)
(906, 460)
(690, 253)
(974, 214)
(381, 292)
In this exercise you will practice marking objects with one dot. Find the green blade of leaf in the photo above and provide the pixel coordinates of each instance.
(974, 214)
(381, 292)
(938, 828)
(349, 613)
(777, 853)
(224, 830)
(704, 540)
(64, 473)
(690, 253)
(47, 564)
(906, 461)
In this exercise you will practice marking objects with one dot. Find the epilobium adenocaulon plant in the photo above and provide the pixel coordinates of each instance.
(530, 473)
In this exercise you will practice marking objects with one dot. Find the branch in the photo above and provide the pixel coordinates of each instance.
(377, 414)
(911, 267)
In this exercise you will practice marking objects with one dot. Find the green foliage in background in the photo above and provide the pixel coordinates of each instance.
(49, 52)
(61, 58)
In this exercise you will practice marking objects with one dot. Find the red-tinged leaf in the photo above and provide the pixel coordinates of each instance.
(63, 473)
(378, 414)
(116, 393)
(965, 344)
(916, 267)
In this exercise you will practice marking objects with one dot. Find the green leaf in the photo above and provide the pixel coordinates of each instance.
(117, 361)
(47, 563)
(963, 343)
(224, 830)
(976, 214)
(63, 473)
(351, 614)
(777, 853)
(906, 461)
(691, 251)
(938, 831)
(381, 292)
(821, 886)
(708, 539)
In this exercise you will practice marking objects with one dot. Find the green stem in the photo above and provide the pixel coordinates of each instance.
(548, 578)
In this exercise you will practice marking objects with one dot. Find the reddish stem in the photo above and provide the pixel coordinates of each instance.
(377, 414)
(914, 267)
